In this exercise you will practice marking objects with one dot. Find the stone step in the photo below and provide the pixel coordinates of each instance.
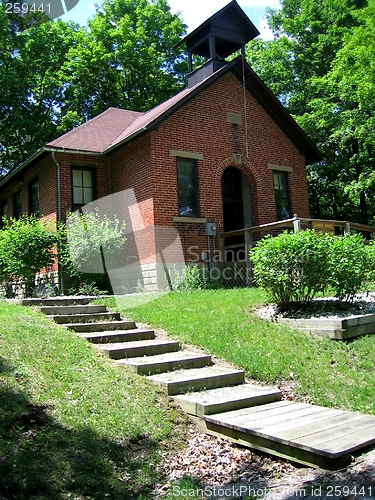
(182, 381)
(72, 309)
(101, 326)
(161, 363)
(120, 350)
(224, 399)
(118, 336)
(62, 319)
(55, 301)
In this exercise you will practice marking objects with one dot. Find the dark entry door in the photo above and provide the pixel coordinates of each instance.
(233, 208)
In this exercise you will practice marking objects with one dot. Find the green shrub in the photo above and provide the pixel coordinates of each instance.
(291, 267)
(370, 273)
(90, 244)
(27, 246)
(348, 265)
(296, 267)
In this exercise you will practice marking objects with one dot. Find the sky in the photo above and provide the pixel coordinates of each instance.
(193, 12)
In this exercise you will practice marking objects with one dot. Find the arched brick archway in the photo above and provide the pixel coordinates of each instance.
(248, 190)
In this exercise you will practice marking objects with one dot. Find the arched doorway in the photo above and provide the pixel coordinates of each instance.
(236, 208)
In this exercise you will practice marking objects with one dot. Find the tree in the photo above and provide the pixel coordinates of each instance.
(309, 68)
(32, 88)
(89, 245)
(126, 58)
(56, 75)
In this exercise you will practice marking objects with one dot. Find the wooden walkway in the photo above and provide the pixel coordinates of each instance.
(219, 400)
(308, 434)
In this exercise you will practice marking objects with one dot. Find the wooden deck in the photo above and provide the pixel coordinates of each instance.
(309, 434)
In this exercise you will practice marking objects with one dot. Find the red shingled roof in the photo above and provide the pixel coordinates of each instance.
(99, 133)
(115, 126)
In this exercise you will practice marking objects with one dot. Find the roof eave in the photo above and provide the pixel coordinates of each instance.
(37, 154)
(23, 165)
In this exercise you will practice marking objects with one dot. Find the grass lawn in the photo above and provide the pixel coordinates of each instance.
(222, 322)
(72, 423)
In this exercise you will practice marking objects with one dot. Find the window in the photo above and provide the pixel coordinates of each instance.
(3, 212)
(82, 187)
(280, 182)
(187, 187)
(17, 204)
(34, 197)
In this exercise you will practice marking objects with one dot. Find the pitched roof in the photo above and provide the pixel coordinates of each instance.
(97, 134)
(256, 87)
(148, 119)
(115, 126)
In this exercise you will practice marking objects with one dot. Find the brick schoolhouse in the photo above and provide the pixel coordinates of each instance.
(224, 150)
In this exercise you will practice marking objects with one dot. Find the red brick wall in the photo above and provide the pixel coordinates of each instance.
(146, 166)
(130, 169)
(201, 127)
(46, 170)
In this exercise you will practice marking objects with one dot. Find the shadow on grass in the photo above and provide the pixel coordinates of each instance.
(42, 459)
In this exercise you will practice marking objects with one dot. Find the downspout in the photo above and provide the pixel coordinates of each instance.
(58, 187)
(61, 282)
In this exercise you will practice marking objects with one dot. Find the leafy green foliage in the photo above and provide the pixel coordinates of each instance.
(291, 267)
(321, 66)
(90, 244)
(126, 58)
(56, 75)
(348, 265)
(296, 267)
(27, 246)
(32, 85)
(189, 278)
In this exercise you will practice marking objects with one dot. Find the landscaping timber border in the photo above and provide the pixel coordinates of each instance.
(339, 329)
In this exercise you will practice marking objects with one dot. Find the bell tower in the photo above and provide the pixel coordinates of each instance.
(217, 38)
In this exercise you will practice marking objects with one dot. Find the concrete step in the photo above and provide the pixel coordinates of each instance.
(224, 399)
(101, 326)
(161, 363)
(106, 337)
(181, 381)
(72, 309)
(55, 301)
(62, 319)
(120, 350)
